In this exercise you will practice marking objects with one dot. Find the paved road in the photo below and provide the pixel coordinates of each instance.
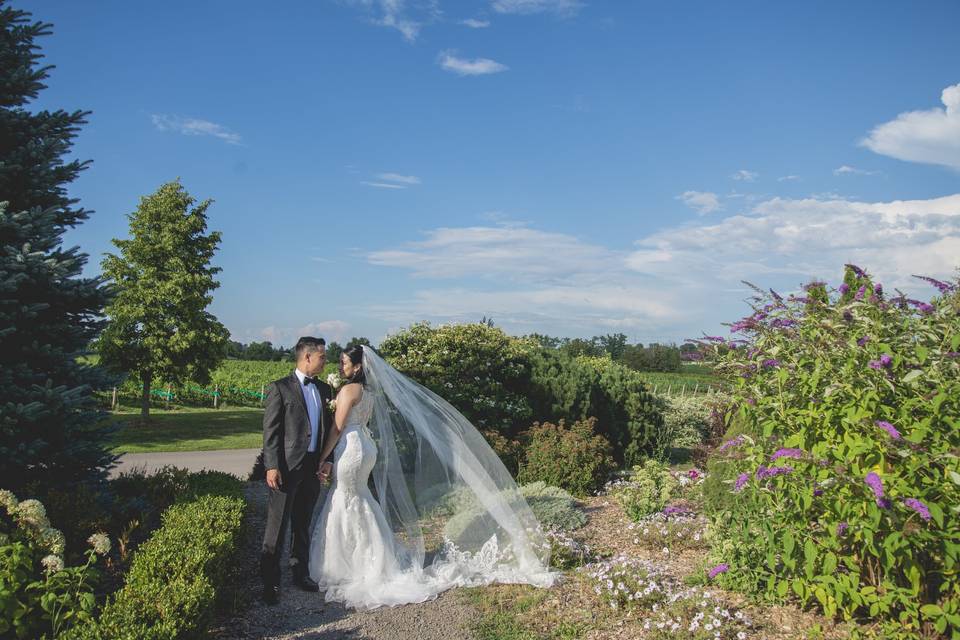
(235, 461)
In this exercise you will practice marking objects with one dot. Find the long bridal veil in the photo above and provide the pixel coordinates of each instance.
(445, 492)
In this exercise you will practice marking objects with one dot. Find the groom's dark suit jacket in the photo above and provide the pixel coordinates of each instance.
(286, 423)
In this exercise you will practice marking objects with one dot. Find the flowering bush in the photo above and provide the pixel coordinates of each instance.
(648, 489)
(843, 484)
(39, 594)
(670, 529)
(566, 552)
(670, 610)
(572, 458)
(687, 422)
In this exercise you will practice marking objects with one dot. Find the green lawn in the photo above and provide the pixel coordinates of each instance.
(188, 429)
(688, 381)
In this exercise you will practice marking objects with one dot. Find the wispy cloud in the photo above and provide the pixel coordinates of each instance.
(790, 178)
(330, 330)
(931, 136)
(745, 176)
(383, 185)
(396, 14)
(194, 127)
(847, 170)
(397, 178)
(475, 23)
(675, 282)
(703, 202)
(449, 61)
(562, 8)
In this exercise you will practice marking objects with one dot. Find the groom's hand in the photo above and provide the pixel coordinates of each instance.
(324, 472)
(274, 481)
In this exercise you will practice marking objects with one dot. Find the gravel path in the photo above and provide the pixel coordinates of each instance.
(305, 615)
(234, 461)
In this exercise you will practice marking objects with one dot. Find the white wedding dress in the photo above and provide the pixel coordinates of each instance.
(355, 555)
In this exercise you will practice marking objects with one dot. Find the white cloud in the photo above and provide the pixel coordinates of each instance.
(745, 176)
(676, 282)
(848, 170)
(931, 136)
(703, 202)
(398, 178)
(383, 185)
(395, 14)
(790, 178)
(464, 67)
(474, 23)
(329, 330)
(562, 8)
(194, 127)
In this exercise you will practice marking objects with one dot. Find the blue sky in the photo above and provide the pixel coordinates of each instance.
(570, 168)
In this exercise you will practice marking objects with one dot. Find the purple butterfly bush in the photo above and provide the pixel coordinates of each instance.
(860, 273)
(862, 341)
(878, 289)
(843, 288)
(883, 363)
(860, 292)
(889, 428)
(943, 287)
(741, 482)
(817, 493)
(786, 453)
(919, 507)
(769, 472)
(734, 442)
(717, 570)
(771, 363)
(921, 306)
(876, 484)
(842, 528)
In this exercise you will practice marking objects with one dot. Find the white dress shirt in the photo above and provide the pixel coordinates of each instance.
(311, 395)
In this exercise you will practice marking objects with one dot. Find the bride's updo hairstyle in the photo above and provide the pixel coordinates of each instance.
(355, 353)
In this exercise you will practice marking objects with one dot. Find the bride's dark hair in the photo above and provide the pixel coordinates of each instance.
(355, 353)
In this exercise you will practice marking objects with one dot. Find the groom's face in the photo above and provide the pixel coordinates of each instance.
(314, 361)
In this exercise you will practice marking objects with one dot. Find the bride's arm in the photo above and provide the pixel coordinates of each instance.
(349, 396)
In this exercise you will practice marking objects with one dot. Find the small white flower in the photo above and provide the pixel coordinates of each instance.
(334, 380)
(332, 404)
(52, 563)
(741, 635)
(100, 543)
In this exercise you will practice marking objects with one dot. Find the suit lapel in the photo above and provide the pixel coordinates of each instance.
(297, 389)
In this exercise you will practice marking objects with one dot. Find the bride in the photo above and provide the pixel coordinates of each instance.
(438, 484)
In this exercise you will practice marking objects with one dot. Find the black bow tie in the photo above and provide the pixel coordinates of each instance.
(307, 381)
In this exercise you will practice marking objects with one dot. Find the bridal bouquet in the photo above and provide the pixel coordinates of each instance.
(334, 380)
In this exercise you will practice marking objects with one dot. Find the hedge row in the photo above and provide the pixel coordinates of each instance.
(179, 574)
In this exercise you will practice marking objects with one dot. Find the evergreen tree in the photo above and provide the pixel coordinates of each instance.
(159, 328)
(51, 432)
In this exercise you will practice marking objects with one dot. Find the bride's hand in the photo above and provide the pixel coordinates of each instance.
(324, 472)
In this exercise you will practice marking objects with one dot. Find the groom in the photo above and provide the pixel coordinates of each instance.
(295, 421)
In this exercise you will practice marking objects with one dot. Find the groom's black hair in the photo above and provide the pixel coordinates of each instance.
(308, 343)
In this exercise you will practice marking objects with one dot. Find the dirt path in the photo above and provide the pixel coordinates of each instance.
(306, 615)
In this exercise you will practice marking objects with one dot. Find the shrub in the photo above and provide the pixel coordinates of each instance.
(555, 508)
(39, 593)
(842, 489)
(572, 458)
(479, 369)
(177, 575)
(649, 488)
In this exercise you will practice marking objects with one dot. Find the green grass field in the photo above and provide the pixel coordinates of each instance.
(188, 429)
(691, 379)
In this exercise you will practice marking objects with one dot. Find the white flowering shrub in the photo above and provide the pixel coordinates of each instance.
(41, 596)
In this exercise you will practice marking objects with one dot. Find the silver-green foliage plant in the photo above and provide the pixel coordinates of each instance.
(844, 479)
(648, 489)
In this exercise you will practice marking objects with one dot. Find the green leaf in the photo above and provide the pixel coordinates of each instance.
(913, 375)
(931, 610)
(954, 476)
(788, 544)
(782, 587)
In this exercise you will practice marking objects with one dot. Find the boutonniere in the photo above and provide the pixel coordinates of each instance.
(332, 405)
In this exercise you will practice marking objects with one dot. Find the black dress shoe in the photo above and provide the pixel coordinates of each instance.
(306, 583)
(271, 594)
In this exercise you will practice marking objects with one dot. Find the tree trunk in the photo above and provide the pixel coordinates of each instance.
(145, 400)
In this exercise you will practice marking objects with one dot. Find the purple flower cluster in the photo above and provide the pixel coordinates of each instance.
(734, 442)
(878, 289)
(883, 363)
(862, 341)
(782, 323)
(842, 528)
(816, 284)
(768, 472)
(717, 570)
(889, 428)
(874, 482)
(921, 306)
(786, 453)
(860, 293)
(952, 354)
(742, 481)
(943, 287)
(919, 507)
(675, 509)
(860, 273)
(771, 363)
(843, 288)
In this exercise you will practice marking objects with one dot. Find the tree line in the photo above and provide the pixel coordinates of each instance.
(639, 357)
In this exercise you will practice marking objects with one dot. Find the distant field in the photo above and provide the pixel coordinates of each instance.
(691, 379)
(188, 429)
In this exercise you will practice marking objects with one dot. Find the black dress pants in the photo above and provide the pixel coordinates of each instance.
(293, 501)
